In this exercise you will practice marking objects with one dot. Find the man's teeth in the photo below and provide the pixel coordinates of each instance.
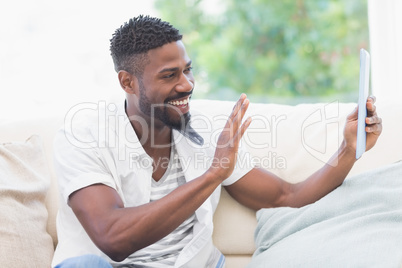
(177, 103)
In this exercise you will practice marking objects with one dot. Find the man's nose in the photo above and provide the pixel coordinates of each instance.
(185, 84)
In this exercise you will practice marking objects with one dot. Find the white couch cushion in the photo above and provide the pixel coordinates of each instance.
(24, 183)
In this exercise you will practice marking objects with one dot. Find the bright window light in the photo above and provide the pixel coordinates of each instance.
(55, 54)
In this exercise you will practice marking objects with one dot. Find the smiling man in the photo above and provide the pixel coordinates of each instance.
(118, 211)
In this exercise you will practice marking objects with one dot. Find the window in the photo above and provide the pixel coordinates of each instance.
(275, 51)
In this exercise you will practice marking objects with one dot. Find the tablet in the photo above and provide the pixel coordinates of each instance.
(363, 95)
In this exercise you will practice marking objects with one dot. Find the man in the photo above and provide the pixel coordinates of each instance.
(117, 209)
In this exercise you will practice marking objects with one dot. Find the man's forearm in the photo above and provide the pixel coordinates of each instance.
(326, 179)
(126, 230)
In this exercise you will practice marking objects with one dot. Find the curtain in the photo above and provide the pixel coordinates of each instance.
(385, 26)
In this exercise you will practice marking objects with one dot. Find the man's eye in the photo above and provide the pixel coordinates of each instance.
(169, 75)
(189, 69)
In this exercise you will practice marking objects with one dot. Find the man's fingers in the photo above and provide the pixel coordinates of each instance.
(238, 105)
(234, 121)
(238, 135)
(371, 108)
(372, 98)
(373, 120)
(239, 117)
(375, 129)
(374, 124)
(243, 129)
(238, 112)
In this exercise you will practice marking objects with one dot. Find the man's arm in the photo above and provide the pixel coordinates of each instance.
(120, 231)
(262, 189)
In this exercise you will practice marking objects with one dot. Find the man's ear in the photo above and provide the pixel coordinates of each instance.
(128, 82)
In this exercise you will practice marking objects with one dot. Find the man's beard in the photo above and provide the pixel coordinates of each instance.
(160, 112)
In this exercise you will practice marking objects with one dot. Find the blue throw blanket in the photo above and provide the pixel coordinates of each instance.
(359, 224)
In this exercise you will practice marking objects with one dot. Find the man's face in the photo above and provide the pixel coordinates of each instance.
(161, 111)
(166, 86)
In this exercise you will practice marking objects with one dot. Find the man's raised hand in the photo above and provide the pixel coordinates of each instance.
(228, 141)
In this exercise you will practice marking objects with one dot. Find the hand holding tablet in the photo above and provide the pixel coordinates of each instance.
(363, 95)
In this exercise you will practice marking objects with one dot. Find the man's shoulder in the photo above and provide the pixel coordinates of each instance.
(89, 122)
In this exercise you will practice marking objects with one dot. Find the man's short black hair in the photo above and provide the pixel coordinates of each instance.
(131, 42)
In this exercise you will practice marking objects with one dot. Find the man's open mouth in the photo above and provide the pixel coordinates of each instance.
(180, 103)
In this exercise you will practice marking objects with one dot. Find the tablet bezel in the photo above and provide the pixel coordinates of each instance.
(363, 95)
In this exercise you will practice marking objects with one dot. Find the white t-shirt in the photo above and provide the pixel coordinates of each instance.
(164, 252)
(98, 145)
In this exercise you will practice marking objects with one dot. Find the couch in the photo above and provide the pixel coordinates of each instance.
(290, 141)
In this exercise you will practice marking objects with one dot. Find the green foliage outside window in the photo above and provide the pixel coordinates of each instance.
(273, 50)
